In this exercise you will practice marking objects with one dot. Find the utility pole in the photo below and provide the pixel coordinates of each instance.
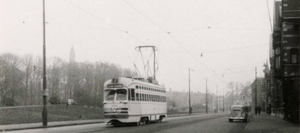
(206, 98)
(255, 91)
(190, 111)
(44, 113)
(217, 99)
(223, 101)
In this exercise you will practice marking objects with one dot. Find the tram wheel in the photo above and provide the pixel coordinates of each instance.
(147, 121)
(160, 119)
(141, 122)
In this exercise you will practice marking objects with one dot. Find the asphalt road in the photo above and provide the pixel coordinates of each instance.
(212, 123)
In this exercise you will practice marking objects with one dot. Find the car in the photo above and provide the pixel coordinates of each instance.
(238, 112)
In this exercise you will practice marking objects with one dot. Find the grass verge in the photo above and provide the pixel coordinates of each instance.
(55, 113)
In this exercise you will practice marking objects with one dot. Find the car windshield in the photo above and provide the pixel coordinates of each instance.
(236, 109)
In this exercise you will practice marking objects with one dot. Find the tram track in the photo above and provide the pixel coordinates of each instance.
(168, 123)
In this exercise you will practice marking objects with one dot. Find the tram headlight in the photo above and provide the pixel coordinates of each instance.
(125, 102)
(113, 109)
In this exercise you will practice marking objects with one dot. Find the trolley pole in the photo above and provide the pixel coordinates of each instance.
(44, 113)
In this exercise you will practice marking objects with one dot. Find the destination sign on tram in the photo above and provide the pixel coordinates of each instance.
(114, 85)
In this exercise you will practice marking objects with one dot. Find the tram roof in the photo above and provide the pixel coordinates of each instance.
(134, 80)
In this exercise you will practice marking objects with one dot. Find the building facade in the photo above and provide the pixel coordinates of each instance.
(284, 60)
(258, 94)
(246, 96)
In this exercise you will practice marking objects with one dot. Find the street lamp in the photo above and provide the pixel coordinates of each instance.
(223, 101)
(206, 99)
(44, 113)
(190, 108)
(217, 98)
(255, 92)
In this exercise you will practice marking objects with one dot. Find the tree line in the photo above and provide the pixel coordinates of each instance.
(178, 101)
(21, 80)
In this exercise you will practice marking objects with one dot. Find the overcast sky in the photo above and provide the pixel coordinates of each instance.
(233, 36)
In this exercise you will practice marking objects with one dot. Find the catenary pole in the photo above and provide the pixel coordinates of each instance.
(44, 113)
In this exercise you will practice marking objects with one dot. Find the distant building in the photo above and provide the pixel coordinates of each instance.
(221, 105)
(72, 55)
(245, 96)
(258, 93)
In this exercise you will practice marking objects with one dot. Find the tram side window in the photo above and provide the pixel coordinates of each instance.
(147, 97)
(132, 95)
(129, 95)
(137, 97)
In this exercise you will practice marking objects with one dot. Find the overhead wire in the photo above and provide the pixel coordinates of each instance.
(168, 33)
(238, 12)
(93, 15)
(239, 48)
(226, 18)
(155, 24)
(123, 31)
(269, 16)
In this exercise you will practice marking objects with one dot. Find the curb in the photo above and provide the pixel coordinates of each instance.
(51, 126)
(79, 123)
(249, 121)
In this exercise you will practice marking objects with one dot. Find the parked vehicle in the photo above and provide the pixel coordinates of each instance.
(238, 112)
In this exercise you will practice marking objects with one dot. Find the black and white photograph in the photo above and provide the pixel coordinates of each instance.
(149, 66)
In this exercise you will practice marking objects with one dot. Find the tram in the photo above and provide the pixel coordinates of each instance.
(134, 100)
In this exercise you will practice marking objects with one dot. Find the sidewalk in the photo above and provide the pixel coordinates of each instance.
(265, 123)
(50, 124)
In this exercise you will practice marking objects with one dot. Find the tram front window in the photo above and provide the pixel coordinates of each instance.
(120, 94)
(111, 95)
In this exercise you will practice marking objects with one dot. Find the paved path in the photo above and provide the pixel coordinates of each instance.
(50, 124)
(265, 123)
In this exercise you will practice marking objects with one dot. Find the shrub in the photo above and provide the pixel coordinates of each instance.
(54, 99)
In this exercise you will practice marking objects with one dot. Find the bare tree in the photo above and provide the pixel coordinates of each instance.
(36, 91)
(12, 78)
(27, 64)
(55, 77)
